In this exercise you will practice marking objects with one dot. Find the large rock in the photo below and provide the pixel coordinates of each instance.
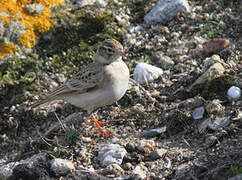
(166, 10)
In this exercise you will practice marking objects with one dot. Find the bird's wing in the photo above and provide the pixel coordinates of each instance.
(84, 81)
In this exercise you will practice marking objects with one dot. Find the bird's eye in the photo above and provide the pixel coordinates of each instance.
(110, 50)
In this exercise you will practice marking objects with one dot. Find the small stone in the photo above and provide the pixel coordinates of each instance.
(86, 139)
(239, 176)
(215, 108)
(146, 145)
(61, 166)
(219, 123)
(139, 172)
(13, 108)
(130, 147)
(113, 169)
(113, 153)
(153, 132)
(144, 73)
(234, 93)
(181, 169)
(157, 154)
(166, 62)
(61, 78)
(127, 166)
(203, 125)
(198, 113)
(210, 140)
(215, 46)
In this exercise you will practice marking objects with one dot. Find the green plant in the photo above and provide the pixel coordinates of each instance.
(71, 135)
(236, 170)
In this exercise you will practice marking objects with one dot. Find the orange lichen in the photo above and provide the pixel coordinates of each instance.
(7, 49)
(28, 38)
(36, 23)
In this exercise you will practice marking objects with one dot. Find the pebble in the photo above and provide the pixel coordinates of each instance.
(234, 93)
(145, 145)
(139, 172)
(86, 139)
(153, 132)
(110, 154)
(61, 166)
(61, 78)
(181, 169)
(127, 166)
(214, 46)
(198, 113)
(113, 169)
(144, 73)
(219, 123)
(237, 177)
(166, 63)
(158, 153)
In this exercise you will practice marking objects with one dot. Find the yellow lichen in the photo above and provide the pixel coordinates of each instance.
(7, 49)
(28, 38)
(36, 23)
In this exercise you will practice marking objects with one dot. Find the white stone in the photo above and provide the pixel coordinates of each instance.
(165, 11)
(139, 172)
(144, 73)
(61, 166)
(234, 92)
(111, 154)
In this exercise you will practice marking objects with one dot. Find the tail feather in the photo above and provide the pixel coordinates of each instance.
(57, 94)
(41, 102)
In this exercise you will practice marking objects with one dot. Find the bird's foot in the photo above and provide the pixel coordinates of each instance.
(100, 129)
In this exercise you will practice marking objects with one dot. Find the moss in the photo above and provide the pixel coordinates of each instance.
(75, 45)
(17, 76)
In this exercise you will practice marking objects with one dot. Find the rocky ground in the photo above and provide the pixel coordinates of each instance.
(189, 147)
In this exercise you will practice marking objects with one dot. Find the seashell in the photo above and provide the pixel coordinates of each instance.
(144, 73)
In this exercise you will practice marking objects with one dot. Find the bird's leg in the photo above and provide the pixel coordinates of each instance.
(97, 124)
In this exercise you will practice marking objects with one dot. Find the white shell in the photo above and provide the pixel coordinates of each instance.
(234, 92)
(144, 73)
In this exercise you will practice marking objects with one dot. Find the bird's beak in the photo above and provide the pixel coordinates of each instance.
(123, 53)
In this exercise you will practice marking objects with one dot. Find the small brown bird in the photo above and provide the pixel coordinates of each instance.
(101, 83)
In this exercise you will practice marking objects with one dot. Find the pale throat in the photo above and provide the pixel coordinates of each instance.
(103, 60)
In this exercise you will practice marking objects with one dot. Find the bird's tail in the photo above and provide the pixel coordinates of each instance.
(57, 94)
(41, 102)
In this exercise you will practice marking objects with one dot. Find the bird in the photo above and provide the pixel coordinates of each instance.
(102, 82)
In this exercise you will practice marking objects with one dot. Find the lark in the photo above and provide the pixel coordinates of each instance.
(100, 83)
